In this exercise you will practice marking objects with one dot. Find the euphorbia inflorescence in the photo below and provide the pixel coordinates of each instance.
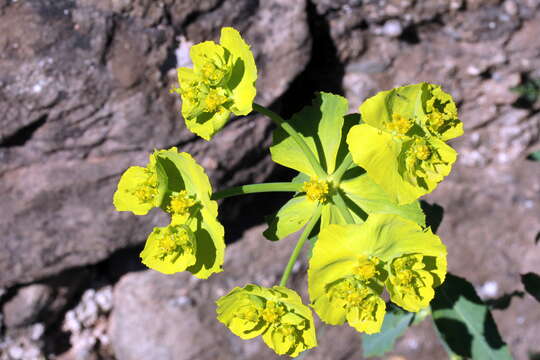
(277, 314)
(355, 195)
(221, 81)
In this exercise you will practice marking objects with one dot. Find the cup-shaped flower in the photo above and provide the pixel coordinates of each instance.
(170, 249)
(401, 142)
(222, 81)
(324, 126)
(351, 264)
(139, 188)
(194, 240)
(277, 314)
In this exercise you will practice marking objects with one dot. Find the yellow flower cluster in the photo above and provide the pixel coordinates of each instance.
(221, 82)
(316, 190)
(352, 264)
(401, 143)
(175, 183)
(277, 314)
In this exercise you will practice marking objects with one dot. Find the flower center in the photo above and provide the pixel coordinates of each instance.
(421, 151)
(405, 272)
(214, 100)
(272, 312)
(442, 112)
(146, 191)
(174, 240)
(368, 307)
(180, 203)
(316, 190)
(191, 92)
(399, 125)
(212, 73)
(366, 268)
(435, 120)
(286, 330)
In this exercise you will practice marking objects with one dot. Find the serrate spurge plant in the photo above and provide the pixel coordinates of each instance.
(355, 195)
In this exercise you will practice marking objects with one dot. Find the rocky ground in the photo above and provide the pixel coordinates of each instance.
(84, 94)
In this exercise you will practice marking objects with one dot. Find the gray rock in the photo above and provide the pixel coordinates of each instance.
(43, 301)
(24, 308)
(84, 96)
(392, 28)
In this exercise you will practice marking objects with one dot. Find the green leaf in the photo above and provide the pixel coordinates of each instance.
(366, 197)
(531, 281)
(394, 325)
(534, 156)
(300, 178)
(464, 322)
(320, 127)
(290, 218)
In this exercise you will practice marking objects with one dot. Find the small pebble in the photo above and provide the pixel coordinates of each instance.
(104, 299)
(392, 28)
(16, 352)
(489, 289)
(510, 7)
(37, 331)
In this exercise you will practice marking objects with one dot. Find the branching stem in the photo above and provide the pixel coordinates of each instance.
(257, 188)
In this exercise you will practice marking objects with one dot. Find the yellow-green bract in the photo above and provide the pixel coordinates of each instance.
(276, 313)
(401, 142)
(351, 264)
(139, 189)
(222, 81)
(194, 240)
(324, 126)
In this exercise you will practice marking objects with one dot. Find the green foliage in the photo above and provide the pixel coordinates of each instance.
(528, 90)
(534, 156)
(324, 126)
(464, 322)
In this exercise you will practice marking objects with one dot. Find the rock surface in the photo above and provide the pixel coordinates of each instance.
(84, 95)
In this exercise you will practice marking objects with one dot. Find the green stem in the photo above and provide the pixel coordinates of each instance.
(321, 174)
(257, 188)
(344, 166)
(299, 245)
(337, 199)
